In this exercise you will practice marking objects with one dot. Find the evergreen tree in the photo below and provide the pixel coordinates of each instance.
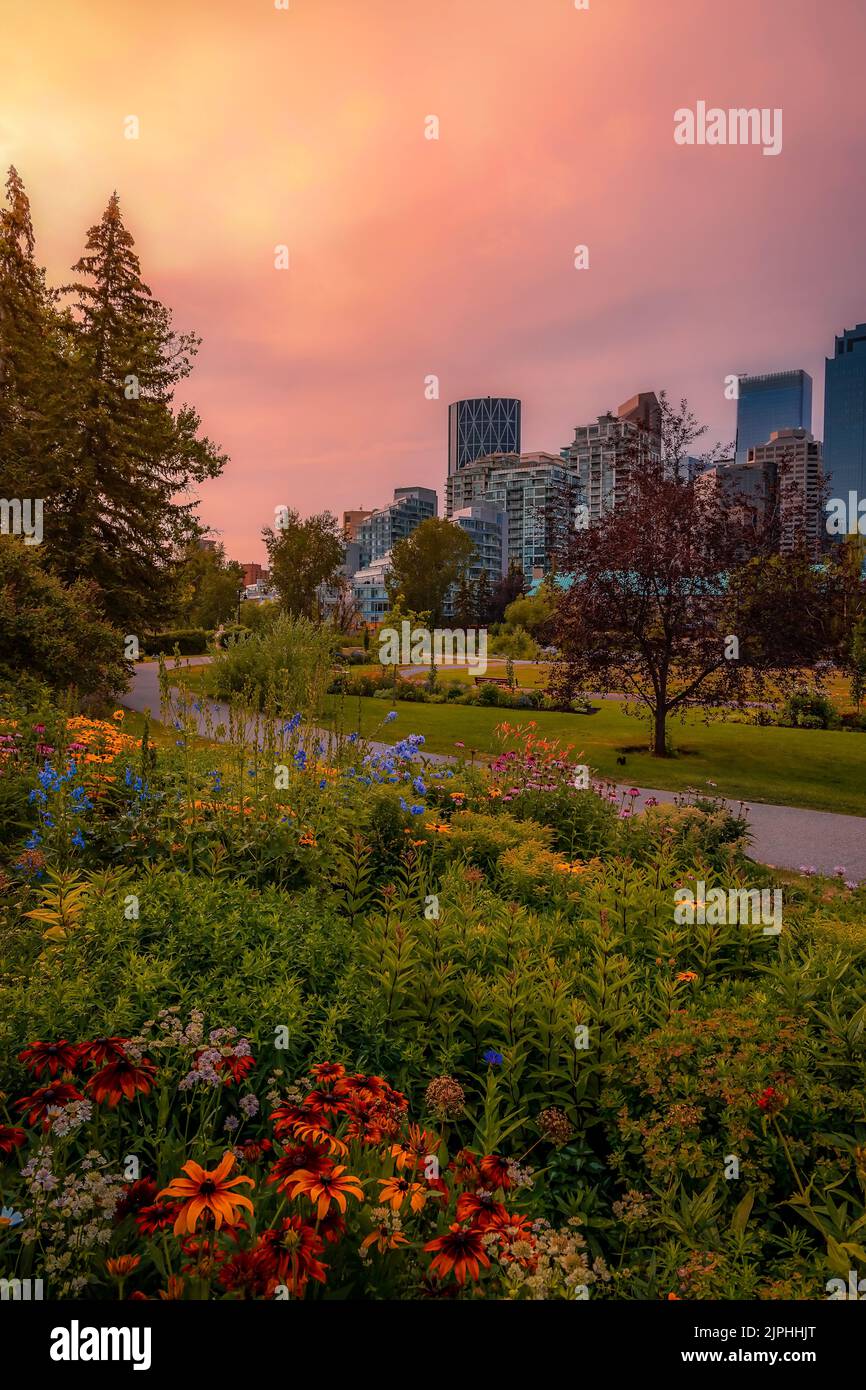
(131, 452)
(465, 601)
(483, 599)
(33, 413)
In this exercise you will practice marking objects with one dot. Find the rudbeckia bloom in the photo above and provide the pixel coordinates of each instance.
(394, 1192)
(459, 1252)
(36, 1106)
(385, 1238)
(494, 1170)
(100, 1051)
(10, 1139)
(479, 1209)
(207, 1191)
(121, 1078)
(324, 1188)
(414, 1151)
(290, 1251)
(54, 1058)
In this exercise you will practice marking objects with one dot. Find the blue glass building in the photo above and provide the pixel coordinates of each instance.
(774, 401)
(845, 414)
(481, 426)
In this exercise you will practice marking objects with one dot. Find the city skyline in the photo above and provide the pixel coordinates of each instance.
(453, 257)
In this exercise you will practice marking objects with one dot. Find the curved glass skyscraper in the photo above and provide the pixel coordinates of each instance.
(481, 426)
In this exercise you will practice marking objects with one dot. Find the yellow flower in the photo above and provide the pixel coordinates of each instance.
(118, 716)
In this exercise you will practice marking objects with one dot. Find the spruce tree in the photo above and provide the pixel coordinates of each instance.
(33, 413)
(132, 452)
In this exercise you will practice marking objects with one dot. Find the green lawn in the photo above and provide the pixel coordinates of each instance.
(822, 770)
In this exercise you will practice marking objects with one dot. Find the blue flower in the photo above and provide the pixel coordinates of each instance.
(404, 805)
(78, 840)
(417, 810)
(322, 785)
(8, 1217)
(353, 738)
(418, 786)
(33, 841)
(492, 1057)
(392, 714)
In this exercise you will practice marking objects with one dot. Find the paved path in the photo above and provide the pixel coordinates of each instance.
(783, 836)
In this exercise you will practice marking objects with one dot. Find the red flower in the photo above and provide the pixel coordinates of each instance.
(326, 1073)
(138, 1194)
(36, 1106)
(102, 1050)
(301, 1156)
(154, 1217)
(771, 1101)
(248, 1275)
(332, 1227)
(11, 1138)
(121, 1078)
(290, 1252)
(459, 1252)
(287, 1115)
(233, 1068)
(53, 1058)
(251, 1150)
(465, 1168)
(494, 1170)
(237, 1067)
(479, 1208)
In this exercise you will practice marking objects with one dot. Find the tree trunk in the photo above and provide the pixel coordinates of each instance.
(659, 743)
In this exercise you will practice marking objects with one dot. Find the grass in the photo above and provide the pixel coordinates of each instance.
(812, 768)
(822, 770)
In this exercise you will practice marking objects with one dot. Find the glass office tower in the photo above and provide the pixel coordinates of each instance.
(774, 401)
(481, 426)
(845, 414)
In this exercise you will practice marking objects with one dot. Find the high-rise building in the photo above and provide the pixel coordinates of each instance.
(774, 401)
(845, 414)
(385, 526)
(481, 426)
(488, 528)
(526, 489)
(351, 521)
(793, 467)
(601, 454)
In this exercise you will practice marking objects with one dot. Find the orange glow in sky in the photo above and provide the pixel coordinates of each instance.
(452, 257)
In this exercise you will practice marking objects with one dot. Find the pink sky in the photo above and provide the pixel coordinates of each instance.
(412, 257)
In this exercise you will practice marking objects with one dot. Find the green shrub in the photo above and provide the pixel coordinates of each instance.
(51, 633)
(809, 709)
(190, 641)
(289, 663)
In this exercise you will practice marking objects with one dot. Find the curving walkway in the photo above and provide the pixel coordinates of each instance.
(783, 836)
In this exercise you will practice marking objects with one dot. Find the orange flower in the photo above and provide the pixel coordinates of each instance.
(395, 1191)
(122, 1266)
(204, 1191)
(414, 1151)
(315, 1134)
(325, 1188)
(459, 1252)
(118, 716)
(386, 1239)
(687, 976)
(307, 839)
(437, 829)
